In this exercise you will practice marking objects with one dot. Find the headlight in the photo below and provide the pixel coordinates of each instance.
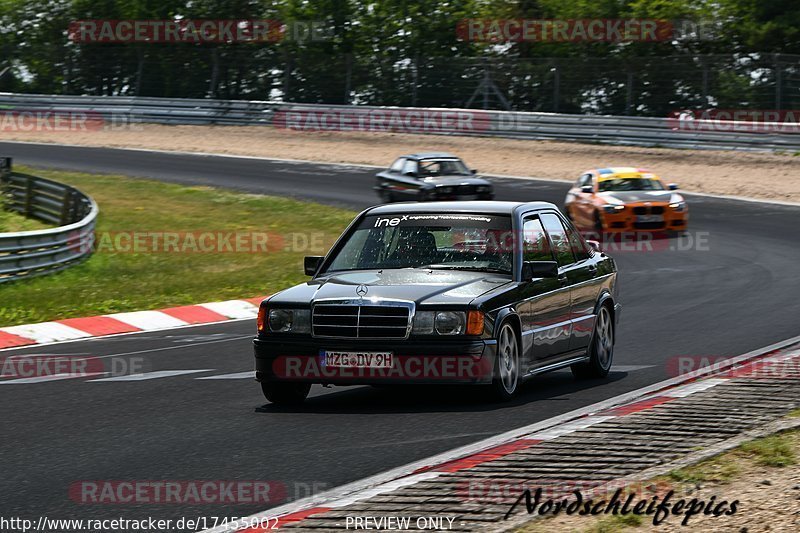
(611, 208)
(678, 206)
(445, 190)
(484, 189)
(449, 322)
(289, 320)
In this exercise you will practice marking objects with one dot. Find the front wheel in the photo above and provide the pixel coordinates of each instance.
(601, 349)
(386, 196)
(285, 393)
(506, 366)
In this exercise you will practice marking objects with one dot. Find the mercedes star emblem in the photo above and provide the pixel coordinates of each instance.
(362, 290)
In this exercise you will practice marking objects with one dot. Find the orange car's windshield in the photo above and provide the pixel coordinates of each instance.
(630, 184)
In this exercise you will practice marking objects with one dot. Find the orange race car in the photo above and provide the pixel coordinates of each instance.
(625, 199)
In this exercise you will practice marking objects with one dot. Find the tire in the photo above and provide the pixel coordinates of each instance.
(285, 393)
(601, 348)
(506, 365)
(386, 196)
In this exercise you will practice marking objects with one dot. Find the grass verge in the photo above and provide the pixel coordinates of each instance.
(115, 280)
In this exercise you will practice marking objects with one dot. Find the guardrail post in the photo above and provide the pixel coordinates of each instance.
(66, 206)
(5, 167)
(28, 197)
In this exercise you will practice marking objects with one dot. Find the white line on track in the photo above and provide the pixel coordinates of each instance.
(238, 375)
(151, 375)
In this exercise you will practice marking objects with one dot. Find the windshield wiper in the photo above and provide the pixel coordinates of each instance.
(466, 267)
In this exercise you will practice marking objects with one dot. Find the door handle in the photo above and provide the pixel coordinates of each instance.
(592, 269)
(563, 279)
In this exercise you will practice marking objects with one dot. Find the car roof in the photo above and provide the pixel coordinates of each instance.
(483, 207)
(430, 155)
(618, 172)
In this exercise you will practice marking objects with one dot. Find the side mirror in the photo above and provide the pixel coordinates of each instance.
(673, 186)
(311, 264)
(474, 170)
(594, 244)
(539, 269)
(587, 188)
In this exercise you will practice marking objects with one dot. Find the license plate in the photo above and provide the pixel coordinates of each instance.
(649, 218)
(356, 359)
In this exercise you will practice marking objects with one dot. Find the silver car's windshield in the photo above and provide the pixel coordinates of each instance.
(440, 241)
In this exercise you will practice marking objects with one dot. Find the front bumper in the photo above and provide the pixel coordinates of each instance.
(626, 220)
(461, 361)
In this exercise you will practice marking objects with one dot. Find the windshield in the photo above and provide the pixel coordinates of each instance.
(444, 167)
(630, 184)
(436, 241)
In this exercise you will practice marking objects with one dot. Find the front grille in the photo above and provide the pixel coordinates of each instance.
(356, 321)
(465, 190)
(648, 210)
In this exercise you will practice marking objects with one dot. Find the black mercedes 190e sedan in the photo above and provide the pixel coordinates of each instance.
(482, 293)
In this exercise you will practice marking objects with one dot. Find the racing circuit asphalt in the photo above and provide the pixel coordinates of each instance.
(735, 293)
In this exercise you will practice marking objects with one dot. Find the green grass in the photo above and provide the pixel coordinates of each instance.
(113, 281)
(794, 414)
(716, 469)
(775, 450)
(11, 221)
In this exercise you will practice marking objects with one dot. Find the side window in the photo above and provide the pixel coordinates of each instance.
(579, 247)
(410, 166)
(558, 236)
(535, 246)
(397, 166)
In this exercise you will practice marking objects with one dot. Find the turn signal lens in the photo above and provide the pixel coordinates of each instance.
(475, 322)
(262, 314)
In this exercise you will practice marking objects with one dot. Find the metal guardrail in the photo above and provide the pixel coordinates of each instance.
(26, 254)
(118, 111)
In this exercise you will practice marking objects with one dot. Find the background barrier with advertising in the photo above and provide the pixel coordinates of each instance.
(681, 130)
(30, 253)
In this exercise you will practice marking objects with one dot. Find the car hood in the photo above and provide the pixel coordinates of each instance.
(626, 197)
(449, 181)
(424, 287)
